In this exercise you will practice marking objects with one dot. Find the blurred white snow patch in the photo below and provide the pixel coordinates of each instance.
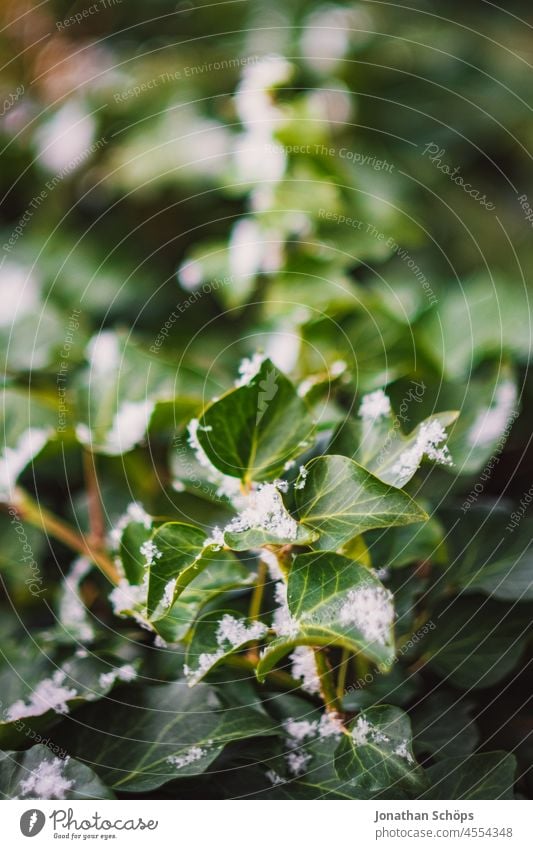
(66, 137)
(19, 293)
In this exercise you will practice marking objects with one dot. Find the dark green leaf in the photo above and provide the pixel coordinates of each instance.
(335, 601)
(341, 499)
(217, 635)
(490, 775)
(40, 774)
(377, 753)
(254, 430)
(164, 732)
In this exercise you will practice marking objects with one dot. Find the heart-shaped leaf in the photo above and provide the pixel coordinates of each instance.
(334, 601)
(253, 431)
(164, 732)
(40, 774)
(378, 444)
(217, 635)
(340, 499)
(377, 753)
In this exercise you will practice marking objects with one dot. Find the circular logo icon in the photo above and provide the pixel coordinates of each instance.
(32, 822)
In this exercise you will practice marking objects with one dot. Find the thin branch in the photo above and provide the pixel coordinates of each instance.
(32, 512)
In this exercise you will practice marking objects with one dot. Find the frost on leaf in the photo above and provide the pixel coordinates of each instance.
(304, 667)
(249, 368)
(302, 731)
(283, 622)
(369, 609)
(375, 405)
(72, 611)
(429, 443)
(490, 424)
(124, 673)
(150, 552)
(135, 512)
(364, 733)
(195, 753)
(13, 461)
(231, 634)
(263, 508)
(49, 694)
(47, 781)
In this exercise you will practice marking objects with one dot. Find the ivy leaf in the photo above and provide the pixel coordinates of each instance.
(460, 332)
(380, 446)
(334, 601)
(490, 775)
(32, 774)
(133, 537)
(228, 575)
(257, 537)
(393, 548)
(341, 499)
(254, 430)
(38, 695)
(178, 556)
(443, 727)
(477, 641)
(377, 753)
(164, 732)
(216, 636)
(28, 424)
(488, 555)
(119, 391)
(489, 406)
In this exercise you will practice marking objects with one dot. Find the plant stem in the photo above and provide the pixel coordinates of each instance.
(327, 684)
(254, 610)
(96, 515)
(32, 512)
(343, 669)
(257, 594)
(276, 675)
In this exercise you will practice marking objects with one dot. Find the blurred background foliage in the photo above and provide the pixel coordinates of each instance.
(262, 173)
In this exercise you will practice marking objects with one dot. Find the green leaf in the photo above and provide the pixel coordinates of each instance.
(216, 636)
(477, 641)
(341, 499)
(28, 424)
(133, 537)
(179, 556)
(377, 753)
(257, 537)
(164, 732)
(488, 555)
(228, 575)
(40, 691)
(379, 445)
(475, 321)
(396, 547)
(119, 391)
(34, 774)
(335, 601)
(254, 430)
(490, 775)
(443, 727)
(489, 405)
